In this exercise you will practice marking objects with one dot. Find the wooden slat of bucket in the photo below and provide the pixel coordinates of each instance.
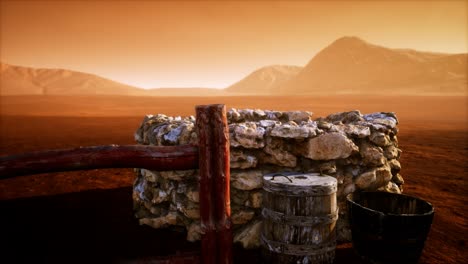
(300, 214)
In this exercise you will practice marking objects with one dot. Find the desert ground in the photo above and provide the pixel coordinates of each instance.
(86, 216)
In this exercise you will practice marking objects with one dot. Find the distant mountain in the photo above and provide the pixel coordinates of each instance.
(347, 66)
(17, 80)
(186, 92)
(265, 80)
(351, 65)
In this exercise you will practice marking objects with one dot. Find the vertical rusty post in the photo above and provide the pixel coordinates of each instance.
(205, 159)
(215, 208)
(221, 174)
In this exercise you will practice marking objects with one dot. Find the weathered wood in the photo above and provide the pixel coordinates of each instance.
(113, 156)
(211, 157)
(206, 183)
(300, 214)
(215, 209)
(389, 227)
(221, 173)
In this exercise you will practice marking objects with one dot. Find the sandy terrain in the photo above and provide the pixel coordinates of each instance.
(86, 215)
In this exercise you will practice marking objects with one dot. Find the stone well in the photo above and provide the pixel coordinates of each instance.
(360, 151)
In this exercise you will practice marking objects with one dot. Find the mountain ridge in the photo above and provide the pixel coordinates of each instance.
(265, 79)
(19, 80)
(348, 65)
(352, 65)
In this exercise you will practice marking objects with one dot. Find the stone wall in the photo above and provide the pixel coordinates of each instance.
(360, 151)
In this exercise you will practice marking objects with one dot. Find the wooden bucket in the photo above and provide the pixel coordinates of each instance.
(299, 217)
(389, 227)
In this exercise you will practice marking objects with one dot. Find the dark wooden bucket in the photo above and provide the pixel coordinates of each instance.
(389, 227)
(299, 218)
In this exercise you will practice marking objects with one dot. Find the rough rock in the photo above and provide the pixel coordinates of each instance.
(380, 139)
(269, 123)
(299, 116)
(383, 175)
(330, 146)
(247, 180)
(161, 195)
(249, 236)
(349, 189)
(247, 135)
(191, 210)
(252, 115)
(242, 217)
(239, 115)
(372, 155)
(328, 167)
(322, 124)
(178, 175)
(194, 232)
(392, 152)
(255, 200)
(186, 136)
(366, 179)
(163, 221)
(359, 131)
(172, 137)
(240, 160)
(150, 175)
(234, 115)
(268, 141)
(398, 179)
(390, 187)
(395, 166)
(239, 196)
(193, 195)
(345, 117)
(293, 130)
(388, 119)
(277, 153)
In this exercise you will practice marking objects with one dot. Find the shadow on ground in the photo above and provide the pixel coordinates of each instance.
(94, 226)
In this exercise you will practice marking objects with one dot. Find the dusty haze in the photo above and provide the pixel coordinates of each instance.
(212, 44)
(72, 74)
(349, 65)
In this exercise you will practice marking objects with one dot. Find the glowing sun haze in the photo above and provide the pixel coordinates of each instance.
(153, 44)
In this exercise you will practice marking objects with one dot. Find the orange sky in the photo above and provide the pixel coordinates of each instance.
(212, 44)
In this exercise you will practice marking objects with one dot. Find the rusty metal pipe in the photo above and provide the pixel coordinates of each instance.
(159, 158)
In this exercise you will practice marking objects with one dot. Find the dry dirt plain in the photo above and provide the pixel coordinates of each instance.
(86, 216)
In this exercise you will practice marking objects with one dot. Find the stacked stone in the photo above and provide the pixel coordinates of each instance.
(361, 151)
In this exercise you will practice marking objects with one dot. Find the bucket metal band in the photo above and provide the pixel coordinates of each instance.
(298, 250)
(299, 192)
(299, 220)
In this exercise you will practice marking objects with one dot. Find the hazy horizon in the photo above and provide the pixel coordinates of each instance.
(212, 44)
(268, 79)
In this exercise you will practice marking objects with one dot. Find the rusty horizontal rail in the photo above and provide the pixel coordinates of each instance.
(160, 158)
(211, 157)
